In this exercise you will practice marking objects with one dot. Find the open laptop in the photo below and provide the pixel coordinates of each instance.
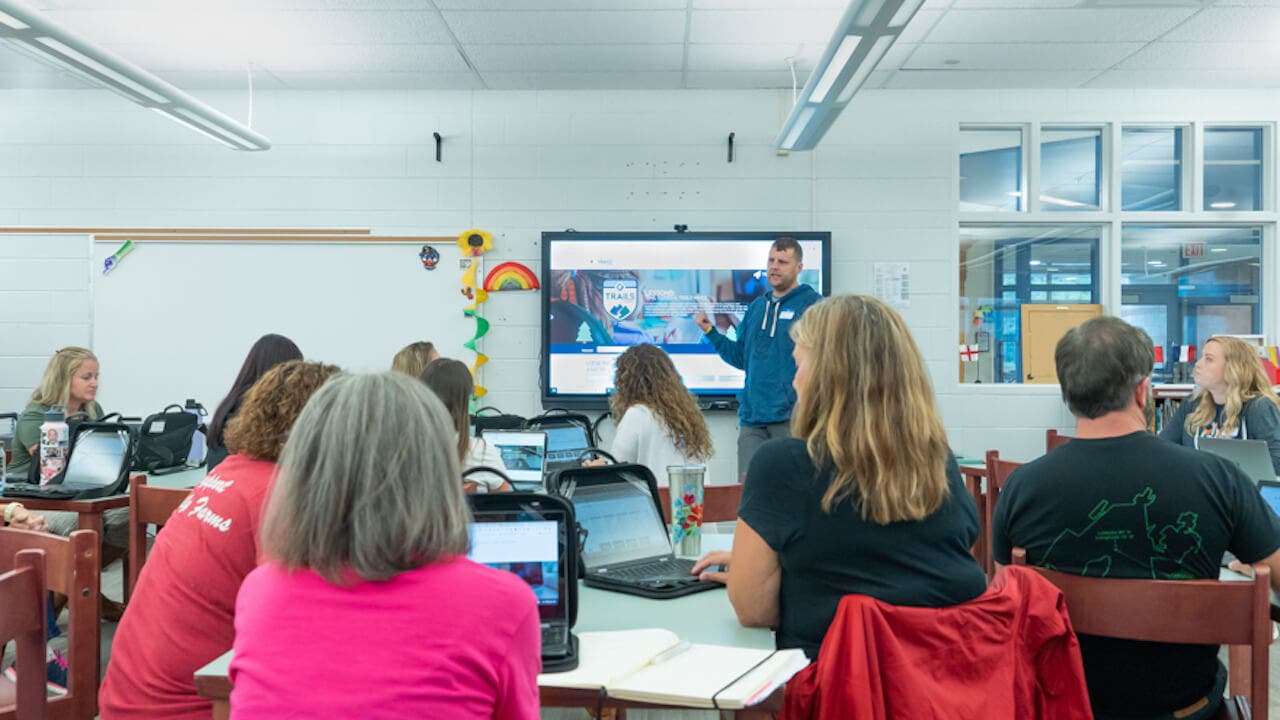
(627, 548)
(1251, 455)
(565, 444)
(524, 455)
(97, 466)
(533, 542)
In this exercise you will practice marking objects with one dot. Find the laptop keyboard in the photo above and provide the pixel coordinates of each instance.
(677, 568)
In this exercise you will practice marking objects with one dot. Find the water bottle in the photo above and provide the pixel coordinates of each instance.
(196, 456)
(53, 444)
(686, 483)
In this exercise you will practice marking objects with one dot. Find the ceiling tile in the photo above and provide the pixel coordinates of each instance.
(307, 58)
(1231, 24)
(204, 6)
(1205, 56)
(583, 81)
(989, 79)
(563, 27)
(560, 4)
(1215, 79)
(380, 81)
(1021, 56)
(920, 26)
(576, 58)
(896, 55)
(1024, 4)
(769, 4)
(777, 26)
(252, 29)
(760, 57)
(1094, 24)
(222, 80)
(742, 80)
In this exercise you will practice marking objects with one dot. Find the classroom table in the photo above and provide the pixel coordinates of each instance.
(704, 617)
(89, 512)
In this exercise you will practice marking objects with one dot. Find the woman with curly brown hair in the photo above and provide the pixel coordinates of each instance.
(181, 614)
(659, 424)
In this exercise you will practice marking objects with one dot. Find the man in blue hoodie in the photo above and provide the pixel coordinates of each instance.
(763, 349)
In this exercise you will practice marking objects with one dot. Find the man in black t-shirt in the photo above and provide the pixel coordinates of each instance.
(1119, 502)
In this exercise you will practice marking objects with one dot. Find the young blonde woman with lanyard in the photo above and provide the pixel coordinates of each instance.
(865, 498)
(1234, 399)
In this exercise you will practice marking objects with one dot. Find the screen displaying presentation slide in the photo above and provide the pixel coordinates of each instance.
(604, 293)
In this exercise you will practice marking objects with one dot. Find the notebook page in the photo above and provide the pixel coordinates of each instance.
(604, 657)
(692, 677)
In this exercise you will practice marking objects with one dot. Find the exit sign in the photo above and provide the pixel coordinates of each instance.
(1192, 250)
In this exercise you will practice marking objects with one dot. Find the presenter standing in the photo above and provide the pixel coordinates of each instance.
(763, 350)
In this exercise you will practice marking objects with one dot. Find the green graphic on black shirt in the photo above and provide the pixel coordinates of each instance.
(1123, 533)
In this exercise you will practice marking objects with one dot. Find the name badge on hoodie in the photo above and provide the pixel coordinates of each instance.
(787, 315)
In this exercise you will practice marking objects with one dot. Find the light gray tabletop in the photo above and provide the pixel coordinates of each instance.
(182, 480)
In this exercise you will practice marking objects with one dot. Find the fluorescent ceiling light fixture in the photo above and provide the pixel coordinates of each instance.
(1034, 263)
(41, 39)
(13, 22)
(864, 34)
(1222, 205)
(847, 47)
(1217, 249)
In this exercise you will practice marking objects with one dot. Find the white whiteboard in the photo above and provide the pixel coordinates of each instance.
(175, 320)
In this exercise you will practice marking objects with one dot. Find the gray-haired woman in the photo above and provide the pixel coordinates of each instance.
(365, 536)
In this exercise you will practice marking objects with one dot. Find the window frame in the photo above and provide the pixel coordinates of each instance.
(1112, 219)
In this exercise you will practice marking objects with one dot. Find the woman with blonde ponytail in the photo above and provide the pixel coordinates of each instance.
(864, 498)
(1233, 399)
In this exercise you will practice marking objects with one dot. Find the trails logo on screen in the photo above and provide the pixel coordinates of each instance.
(620, 297)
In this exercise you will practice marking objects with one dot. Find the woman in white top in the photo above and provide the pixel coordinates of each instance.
(659, 424)
(451, 381)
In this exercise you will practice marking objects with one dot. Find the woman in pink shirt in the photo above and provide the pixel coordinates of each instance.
(367, 606)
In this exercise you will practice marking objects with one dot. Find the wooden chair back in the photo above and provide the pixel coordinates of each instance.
(1054, 440)
(147, 506)
(1210, 612)
(997, 473)
(71, 568)
(22, 595)
(973, 482)
(719, 502)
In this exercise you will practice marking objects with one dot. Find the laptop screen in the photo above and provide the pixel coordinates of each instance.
(523, 453)
(1271, 493)
(566, 443)
(528, 548)
(97, 457)
(622, 523)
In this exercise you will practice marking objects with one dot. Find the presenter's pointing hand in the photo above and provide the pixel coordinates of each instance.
(703, 321)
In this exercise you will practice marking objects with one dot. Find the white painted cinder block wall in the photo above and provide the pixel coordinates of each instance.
(884, 182)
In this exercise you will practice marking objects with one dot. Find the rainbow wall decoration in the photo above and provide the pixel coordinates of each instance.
(510, 276)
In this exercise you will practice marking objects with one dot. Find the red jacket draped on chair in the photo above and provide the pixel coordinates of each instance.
(1009, 653)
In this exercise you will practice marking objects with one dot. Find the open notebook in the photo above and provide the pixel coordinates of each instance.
(654, 666)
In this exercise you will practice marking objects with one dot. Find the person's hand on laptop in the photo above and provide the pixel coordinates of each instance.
(713, 567)
(595, 462)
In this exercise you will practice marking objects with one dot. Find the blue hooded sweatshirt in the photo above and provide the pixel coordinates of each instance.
(763, 350)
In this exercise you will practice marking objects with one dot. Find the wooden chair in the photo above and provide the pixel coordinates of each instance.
(1054, 440)
(719, 502)
(147, 506)
(997, 473)
(22, 595)
(973, 482)
(71, 569)
(1211, 612)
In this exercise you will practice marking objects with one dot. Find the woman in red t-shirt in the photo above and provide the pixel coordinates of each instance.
(181, 614)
